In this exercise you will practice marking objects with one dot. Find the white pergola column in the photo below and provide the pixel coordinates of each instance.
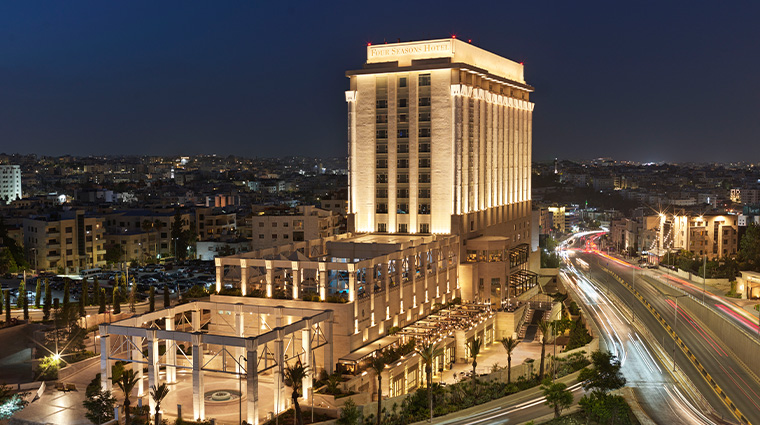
(199, 410)
(243, 277)
(219, 273)
(153, 368)
(270, 278)
(239, 332)
(369, 285)
(307, 363)
(105, 364)
(136, 355)
(279, 386)
(171, 349)
(252, 383)
(196, 320)
(351, 282)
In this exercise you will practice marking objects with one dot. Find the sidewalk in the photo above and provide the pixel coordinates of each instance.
(494, 354)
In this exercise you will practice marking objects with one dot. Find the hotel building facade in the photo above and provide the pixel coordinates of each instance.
(439, 141)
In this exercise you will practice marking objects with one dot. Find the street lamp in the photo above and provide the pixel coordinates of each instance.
(675, 327)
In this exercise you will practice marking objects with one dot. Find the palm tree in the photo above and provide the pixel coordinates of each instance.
(378, 365)
(294, 376)
(428, 354)
(158, 394)
(509, 344)
(126, 382)
(475, 347)
(544, 326)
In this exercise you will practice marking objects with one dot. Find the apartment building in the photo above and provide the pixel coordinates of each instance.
(69, 241)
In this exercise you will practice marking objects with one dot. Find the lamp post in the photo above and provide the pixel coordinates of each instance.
(675, 327)
(240, 388)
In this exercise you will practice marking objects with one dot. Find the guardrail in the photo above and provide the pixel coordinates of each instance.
(710, 381)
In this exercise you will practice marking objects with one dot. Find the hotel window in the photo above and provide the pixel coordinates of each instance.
(402, 228)
(424, 132)
(402, 103)
(402, 193)
(402, 209)
(381, 193)
(401, 163)
(424, 193)
(424, 162)
(261, 236)
(402, 82)
(424, 147)
(381, 104)
(381, 227)
(424, 228)
(382, 208)
(423, 209)
(403, 178)
(381, 178)
(381, 163)
(402, 148)
(424, 177)
(381, 118)
(381, 148)
(381, 134)
(424, 101)
(402, 118)
(424, 79)
(403, 133)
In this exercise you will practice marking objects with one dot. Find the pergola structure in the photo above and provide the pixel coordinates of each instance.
(225, 338)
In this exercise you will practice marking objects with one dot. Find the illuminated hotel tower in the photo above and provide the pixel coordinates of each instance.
(439, 141)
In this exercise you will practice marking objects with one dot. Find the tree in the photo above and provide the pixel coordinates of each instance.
(99, 406)
(10, 401)
(557, 396)
(116, 301)
(21, 295)
(114, 253)
(7, 262)
(167, 301)
(509, 344)
(605, 375)
(132, 296)
(95, 292)
(38, 294)
(475, 346)
(48, 301)
(152, 298)
(294, 376)
(7, 308)
(544, 326)
(126, 382)
(749, 247)
(85, 292)
(377, 365)
(428, 353)
(158, 394)
(102, 298)
(26, 309)
(66, 302)
(82, 311)
(350, 414)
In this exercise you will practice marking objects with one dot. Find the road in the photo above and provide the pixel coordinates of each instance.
(645, 365)
(741, 388)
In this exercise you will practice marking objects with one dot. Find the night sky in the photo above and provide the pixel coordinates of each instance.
(659, 81)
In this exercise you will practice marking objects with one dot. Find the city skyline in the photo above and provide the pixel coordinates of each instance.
(90, 78)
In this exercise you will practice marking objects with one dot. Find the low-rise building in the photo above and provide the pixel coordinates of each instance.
(69, 241)
(278, 226)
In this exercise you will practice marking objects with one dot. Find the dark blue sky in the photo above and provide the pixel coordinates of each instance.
(641, 81)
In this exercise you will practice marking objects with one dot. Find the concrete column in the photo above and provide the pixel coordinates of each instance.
(426, 280)
(252, 383)
(136, 355)
(270, 278)
(369, 285)
(199, 410)
(243, 277)
(322, 286)
(171, 350)
(387, 280)
(351, 282)
(328, 354)
(279, 386)
(196, 320)
(153, 368)
(399, 269)
(306, 361)
(296, 280)
(219, 272)
(105, 364)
